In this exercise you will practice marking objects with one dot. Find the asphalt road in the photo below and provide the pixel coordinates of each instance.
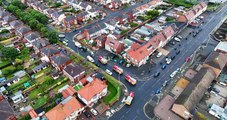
(145, 90)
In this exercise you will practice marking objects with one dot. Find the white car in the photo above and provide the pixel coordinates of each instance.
(65, 42)
(159, 55)
(94, 112)
(61, 35)
(173, 74)
(77, 44)
(177, 39)
(108, 72)
(168, 61)
(90, 59)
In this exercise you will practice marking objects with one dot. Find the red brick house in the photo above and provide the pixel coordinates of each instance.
(69, 21)
(22, 30)
(113, 46)
(39, 44)
(59, 61)
(74, 72)
(49, 51)
(139, 54)
(190, 15)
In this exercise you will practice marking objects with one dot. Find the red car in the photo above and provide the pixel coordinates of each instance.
(187, 59)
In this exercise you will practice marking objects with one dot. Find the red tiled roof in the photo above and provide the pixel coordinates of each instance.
(195, 10)
(91, 89)
(63, 110)
(33, 114)
(155, 42)
(168, 32)
(113, 43)
(69, 91)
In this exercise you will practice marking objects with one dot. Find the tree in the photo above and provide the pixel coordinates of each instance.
(9, 53)
(1, 46)
(12, 8)
(18, 4)
(39, 26)
(19, 13)
(44, 20)
(44, 31)
(53, 38)
(26, 18)
(33, 24)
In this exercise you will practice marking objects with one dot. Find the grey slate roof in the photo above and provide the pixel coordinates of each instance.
(49, 50)
(32, 36)
(6, 110)
(16, 23)
(82, 14)
(40, 43)
(194, 92)
(73, 70)
(22, 30)
(40, 66)
(3, 13)
(60, 59)
(9, 18)
(69, 18)
(216, 60)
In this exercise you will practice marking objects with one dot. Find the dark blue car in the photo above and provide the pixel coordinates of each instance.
(164, 66)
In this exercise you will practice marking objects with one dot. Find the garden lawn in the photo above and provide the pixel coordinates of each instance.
(19, 85)
(40, 102)
(43, 71)
(113, 89)
(4, 63)
(78, 87)
(112, 93)
(182, 3)
(60, 86)
(33, 94)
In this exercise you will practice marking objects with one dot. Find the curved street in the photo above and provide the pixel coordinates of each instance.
(147, 85)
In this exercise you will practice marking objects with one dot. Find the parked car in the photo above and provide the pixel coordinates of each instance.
(187, 59)
(121, 61)
(87, 114)
(156, 74)
(164, 66)
(93, 111)
(178, 52)
(222, 83)
(174, 73)
(61, 35)
(180, 37)
(108, 72)
(158, 91)
(159, 55)
(173, 57)
(172, 43)
(90, 59)
(128, 65)
(65, 42)
(216, 90)
(77, 44)
(177, 39)
(165, 84)
(168, 61)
